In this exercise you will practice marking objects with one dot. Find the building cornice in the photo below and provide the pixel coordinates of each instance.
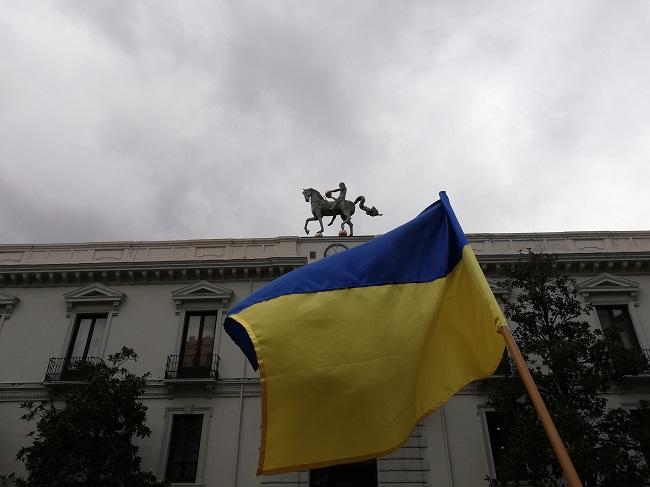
(286, 245)
(588, 253)
(270, 268)
(578, 263)
(147, 272)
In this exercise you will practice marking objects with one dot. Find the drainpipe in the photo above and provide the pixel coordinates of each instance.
(241, 405)
(241, 408)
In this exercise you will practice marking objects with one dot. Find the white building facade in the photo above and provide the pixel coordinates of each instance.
(167, 300)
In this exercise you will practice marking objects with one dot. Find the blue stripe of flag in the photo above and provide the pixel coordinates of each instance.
(422, 250)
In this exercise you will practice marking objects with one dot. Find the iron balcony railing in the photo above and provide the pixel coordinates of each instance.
(507, 366)
(67, 369)
(192, 367)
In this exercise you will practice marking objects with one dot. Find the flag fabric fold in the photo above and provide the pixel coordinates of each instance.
(355, 348)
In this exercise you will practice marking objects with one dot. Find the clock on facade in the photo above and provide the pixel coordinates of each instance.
(334, 249)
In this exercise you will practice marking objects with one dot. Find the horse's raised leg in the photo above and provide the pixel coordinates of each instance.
(312, 219)
(330, 223)
(347, 219)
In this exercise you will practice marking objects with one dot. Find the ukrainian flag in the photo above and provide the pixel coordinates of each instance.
(354, 349)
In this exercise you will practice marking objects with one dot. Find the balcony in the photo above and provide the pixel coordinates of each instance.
(507, 366)
(66, 370)
(186, 370)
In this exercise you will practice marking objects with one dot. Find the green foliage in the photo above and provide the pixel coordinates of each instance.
(7, 480)
(89, 441)
(573, 366)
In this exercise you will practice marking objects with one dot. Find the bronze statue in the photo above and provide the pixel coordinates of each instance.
(320, 207)
(342, 191)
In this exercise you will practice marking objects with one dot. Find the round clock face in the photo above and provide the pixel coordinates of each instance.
(334, 249)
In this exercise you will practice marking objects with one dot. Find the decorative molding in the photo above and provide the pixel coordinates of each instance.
(232, 387)
(493, 264)
(180, 271)
(201, 292)
(7, 304)
(96, 294)
(13, 392)
(606, 284)
(184, 261)
(154, 389)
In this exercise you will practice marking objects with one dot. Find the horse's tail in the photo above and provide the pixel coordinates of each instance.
(369, 211)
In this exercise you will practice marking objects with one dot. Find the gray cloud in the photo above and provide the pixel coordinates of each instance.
(135, 120)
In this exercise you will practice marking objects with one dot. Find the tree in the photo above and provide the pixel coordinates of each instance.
(573, 366)
(89, 440)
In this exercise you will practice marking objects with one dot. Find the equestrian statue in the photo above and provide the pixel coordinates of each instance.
(321, 207)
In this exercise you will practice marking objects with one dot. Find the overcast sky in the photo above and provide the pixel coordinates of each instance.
(130, 120)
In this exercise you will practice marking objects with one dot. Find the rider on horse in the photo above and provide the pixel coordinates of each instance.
(339, 207)
(342, 190)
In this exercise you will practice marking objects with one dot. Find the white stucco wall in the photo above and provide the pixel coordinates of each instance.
(448, 449)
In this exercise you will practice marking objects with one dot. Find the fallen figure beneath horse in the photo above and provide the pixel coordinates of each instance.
(320, 207)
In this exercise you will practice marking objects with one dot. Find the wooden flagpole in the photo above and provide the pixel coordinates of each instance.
(542, 413)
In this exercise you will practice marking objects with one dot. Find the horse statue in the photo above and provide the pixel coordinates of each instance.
(320, 207)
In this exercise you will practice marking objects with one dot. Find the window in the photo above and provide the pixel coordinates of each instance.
(184, 448)
(87, 337)
(497, 436)
(196, 356)
(615, 300)
(617, 318)
(90, 309)
(360, 474)
(185, 444)
(85, 346)
(200, 306)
